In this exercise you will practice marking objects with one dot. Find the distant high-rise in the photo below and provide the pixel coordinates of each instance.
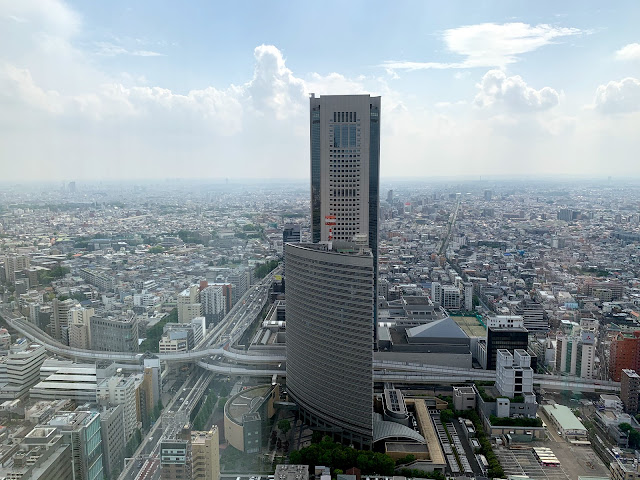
(61, 317)
(291, 233)
(630, 390)
(345, 170)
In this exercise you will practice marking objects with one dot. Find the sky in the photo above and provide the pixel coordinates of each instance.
(210, 90)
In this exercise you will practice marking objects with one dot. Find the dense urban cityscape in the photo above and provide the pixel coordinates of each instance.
(544, 268)
(347, 241)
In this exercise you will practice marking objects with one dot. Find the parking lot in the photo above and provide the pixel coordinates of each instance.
(524, 462)
(577, 461)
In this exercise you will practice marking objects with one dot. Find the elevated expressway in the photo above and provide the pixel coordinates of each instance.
(216, 354)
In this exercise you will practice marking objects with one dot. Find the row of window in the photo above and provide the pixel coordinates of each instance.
(343, 116)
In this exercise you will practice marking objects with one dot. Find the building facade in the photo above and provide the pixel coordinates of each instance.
(114, 334)
(624, 353)
(82, 431)
(205, 455)
(20, 369)
(345, 169)
(120, 390)
(504, 338)
(329, 337)
(630, 390)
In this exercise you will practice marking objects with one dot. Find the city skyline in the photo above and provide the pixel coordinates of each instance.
(121, 92)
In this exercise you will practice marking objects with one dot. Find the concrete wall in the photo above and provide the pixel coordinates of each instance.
(440, 359)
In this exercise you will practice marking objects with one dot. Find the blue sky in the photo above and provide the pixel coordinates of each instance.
(152, 89)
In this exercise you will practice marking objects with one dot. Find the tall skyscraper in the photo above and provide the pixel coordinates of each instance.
(329, 337)
(345, 170)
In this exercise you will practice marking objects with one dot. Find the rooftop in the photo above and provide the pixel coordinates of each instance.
(564, 416)
(246, 401)
(471, 326)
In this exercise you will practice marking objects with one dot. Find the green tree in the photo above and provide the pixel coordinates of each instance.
(446, 415)
(284, 426)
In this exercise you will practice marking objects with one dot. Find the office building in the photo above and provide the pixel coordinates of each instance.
(451, 298)
(180, 337)
(152, 381)
(120, 390)
(174, 341)
(20, 368)
(568, 215)
(14, 264)
(226, 293)
(345, 166)
(624, 469)
(213, 303)
(78, 322)
(436, 293)
(99, 279)
(514, 375)
(189, 305)
(291, 233)
(205, 455)
(82, 431)
(630, 390)
(468, 296)
(113, 438)
(575, 354)
(247, 414)
(61, 317)
(533, 315)
(42, 454)
(624, 354)
(298, 472)
(329, 336)
(66, 380)
(239, 284)
(175, 459)
(114, 334)
(515, 338)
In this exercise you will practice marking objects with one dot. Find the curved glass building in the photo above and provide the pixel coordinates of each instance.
(329, 337)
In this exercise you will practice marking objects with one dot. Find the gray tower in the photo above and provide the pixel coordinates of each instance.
(345, 170)
(329, 337)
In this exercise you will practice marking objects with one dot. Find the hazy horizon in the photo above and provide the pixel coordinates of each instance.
(117, 91)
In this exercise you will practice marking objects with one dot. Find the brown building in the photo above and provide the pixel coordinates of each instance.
(625, 353)
(205, 455)
(175, 459)
(629, 390)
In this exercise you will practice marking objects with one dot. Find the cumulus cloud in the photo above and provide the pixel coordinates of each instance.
(629, 52)
(618, 97)
(496, 89)
(64, 116)
(273, 86)
(489, 45)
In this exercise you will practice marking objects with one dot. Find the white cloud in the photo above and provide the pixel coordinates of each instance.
(46, 15)
(146, 53)
(273, 87)
(109, 49)
(618, 97)
(629, 52)
(489, 45)
(61, 115)
(496, 89)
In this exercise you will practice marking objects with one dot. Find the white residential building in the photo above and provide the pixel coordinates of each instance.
(120, 390)
(20, 369)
